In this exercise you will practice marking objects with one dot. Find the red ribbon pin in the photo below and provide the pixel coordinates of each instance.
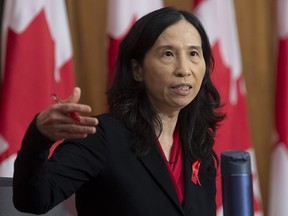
(195, 171)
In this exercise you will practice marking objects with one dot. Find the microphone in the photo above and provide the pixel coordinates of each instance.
(237, 187)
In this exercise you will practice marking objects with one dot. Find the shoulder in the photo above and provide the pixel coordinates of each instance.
(107, 118)
(111, 127)
(108, 121)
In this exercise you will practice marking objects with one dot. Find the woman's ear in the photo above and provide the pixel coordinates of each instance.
(137, 71)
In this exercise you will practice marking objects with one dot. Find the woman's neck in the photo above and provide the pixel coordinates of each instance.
(166, 137)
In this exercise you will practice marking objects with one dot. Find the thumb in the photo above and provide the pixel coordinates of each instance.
(75, 96)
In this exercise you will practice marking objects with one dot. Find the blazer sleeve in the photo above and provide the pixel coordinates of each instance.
(40, 183)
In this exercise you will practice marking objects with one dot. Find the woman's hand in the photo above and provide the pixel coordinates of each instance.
(56, 122)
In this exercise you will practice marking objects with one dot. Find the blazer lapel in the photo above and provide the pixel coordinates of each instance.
(190, 189)
(156, 166)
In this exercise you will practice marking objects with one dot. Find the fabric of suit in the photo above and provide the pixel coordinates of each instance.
(107, 176)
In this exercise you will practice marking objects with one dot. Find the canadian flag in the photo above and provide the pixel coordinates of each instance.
(122, 14)
(36, 61)
(279, 160)
(218, 18)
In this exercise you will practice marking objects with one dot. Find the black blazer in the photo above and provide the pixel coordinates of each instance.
(109, 179)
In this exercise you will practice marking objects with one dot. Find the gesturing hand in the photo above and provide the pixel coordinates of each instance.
(56, 122)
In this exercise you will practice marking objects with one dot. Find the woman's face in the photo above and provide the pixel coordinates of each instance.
(173, 69)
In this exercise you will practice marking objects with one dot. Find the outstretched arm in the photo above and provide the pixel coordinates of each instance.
(38, 184)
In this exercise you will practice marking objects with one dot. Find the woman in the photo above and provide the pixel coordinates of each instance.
(152, 154)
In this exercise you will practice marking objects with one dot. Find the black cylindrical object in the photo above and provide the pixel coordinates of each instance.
(237, 185)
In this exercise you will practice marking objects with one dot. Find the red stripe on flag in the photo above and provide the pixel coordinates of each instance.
(28, 80)
(228, 136)
(234, 131)
(282, 93)
(67, 82)
(112, 53)
(196, 3)
(114, 44)
(278, 191)
(122, 15)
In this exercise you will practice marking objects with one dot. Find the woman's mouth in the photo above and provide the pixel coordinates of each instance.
(182, 89)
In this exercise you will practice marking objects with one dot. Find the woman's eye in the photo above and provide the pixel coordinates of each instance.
(194, 53)
(168, 53)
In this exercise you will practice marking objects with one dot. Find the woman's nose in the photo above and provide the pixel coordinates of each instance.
(182, 68)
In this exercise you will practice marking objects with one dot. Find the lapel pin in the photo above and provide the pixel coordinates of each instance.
(195, 171)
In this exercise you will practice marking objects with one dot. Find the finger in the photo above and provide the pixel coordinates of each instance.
(70, 129)
(75, 96)
(89, 121)
(66, 115)
(81, 120)
(66, 108)
(80, 108)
